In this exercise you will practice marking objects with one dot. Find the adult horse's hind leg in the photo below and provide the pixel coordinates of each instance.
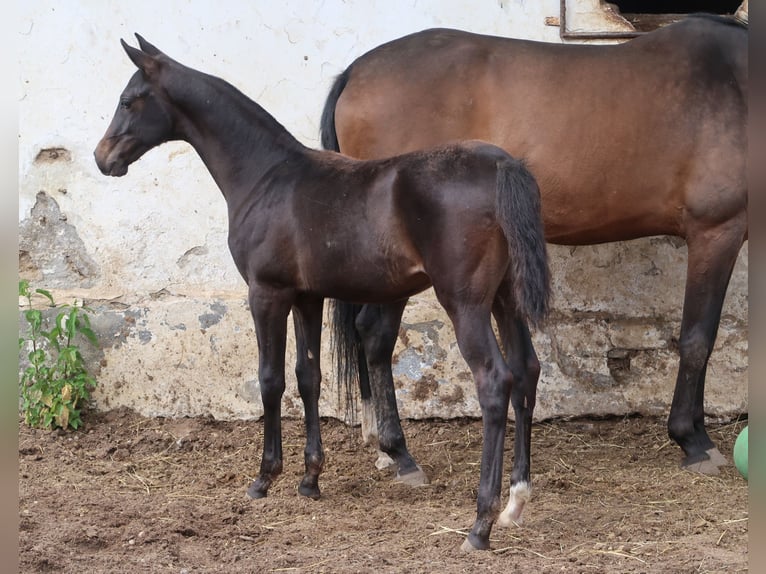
(712, 255)
(369, 418)
(525, 366)
(307, 318)
(378, 326)
(351, 366)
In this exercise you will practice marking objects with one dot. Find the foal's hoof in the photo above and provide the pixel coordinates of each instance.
(415, 478)
(520, 494)
(254, 493)
(473, 544)
(708, 466)
(258, 489)
(309, 491)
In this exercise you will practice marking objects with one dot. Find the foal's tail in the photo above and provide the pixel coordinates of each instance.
(518, 207)
(346, 343)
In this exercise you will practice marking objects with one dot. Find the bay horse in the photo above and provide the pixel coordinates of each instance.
(305, 225)
(643, 138)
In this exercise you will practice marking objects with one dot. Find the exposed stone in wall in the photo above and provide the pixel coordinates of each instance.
(50, 249)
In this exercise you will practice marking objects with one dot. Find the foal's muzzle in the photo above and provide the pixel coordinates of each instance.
(108, 158)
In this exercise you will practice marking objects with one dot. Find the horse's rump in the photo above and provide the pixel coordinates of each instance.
(596, 124)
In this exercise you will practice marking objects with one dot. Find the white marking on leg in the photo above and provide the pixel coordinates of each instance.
(384, 461)
(370, 435)
(369, 424)
(520, 494)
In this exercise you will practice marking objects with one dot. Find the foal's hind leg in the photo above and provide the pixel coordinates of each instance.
(307, 318)
(479, 348)
(712, 255)
(378, 325)
(522, 360)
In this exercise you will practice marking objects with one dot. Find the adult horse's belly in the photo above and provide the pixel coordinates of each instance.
(596, 185)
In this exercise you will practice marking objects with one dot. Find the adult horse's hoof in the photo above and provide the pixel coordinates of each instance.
(716, 457)
(705, 464)
(415, 478)
(384, 461)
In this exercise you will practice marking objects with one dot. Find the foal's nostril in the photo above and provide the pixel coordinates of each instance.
(99, 162)
(100, 154)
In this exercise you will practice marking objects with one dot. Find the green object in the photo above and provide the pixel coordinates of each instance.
(740, 452)
(56, 382)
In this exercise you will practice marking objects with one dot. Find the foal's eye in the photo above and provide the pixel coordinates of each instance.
(125, 104)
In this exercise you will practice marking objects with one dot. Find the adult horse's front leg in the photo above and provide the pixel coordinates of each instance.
(307, 318)
(378, 326)
(712, 255)
(270, 309)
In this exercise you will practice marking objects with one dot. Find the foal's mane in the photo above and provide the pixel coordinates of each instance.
(188, 87)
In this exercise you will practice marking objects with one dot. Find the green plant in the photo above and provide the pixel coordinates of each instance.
(56, 381)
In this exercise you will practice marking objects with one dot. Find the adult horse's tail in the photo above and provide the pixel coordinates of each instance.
(518, 208)
(346, 343)
(327, 133)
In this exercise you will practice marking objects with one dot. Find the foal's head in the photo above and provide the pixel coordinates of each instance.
(143, 118)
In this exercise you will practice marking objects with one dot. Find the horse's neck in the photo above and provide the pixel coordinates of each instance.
(236, 138)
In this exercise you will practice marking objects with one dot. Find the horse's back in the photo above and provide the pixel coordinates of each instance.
(385, 224)
(597, 124)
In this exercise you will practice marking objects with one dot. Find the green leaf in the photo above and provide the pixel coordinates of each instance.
(72, 323)
(24, 288)
(53, 337)
(35, 318)
(47, 294)
(90, 335)
(37, 357)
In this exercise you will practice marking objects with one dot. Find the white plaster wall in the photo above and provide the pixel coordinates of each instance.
(148, 250)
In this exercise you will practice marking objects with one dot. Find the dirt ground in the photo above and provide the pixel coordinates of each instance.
(133, 494)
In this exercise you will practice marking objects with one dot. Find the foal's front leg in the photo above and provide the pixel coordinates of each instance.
(307, 318)
(270, 309)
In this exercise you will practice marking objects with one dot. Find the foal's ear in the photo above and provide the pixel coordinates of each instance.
(143, 61)
(147, 47)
